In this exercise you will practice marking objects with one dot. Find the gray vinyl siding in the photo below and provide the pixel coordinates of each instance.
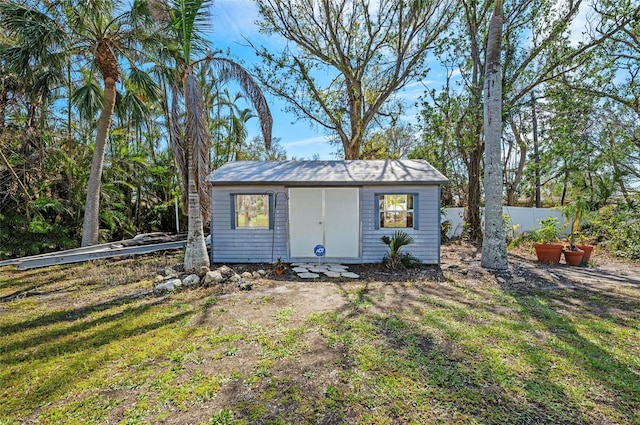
(426, 244)
(247, 245)
(255, 245)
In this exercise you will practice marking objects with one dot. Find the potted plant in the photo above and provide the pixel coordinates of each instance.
(575, 212)
(547, 241)
(585, 245)
(573, 255)
(279, 269)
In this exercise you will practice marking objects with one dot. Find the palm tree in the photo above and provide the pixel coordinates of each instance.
(183, 22)
(494, 250)
(86, 31)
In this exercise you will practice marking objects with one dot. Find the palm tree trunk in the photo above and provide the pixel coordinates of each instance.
(91, 222)
(195, 255)
(494, 249)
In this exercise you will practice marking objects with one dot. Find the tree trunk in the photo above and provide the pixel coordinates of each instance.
(494, 249)
(91, 222)
(512, 188)
(195, 255)
(472, 216)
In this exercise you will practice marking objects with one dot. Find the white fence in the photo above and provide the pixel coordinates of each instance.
(521, 217)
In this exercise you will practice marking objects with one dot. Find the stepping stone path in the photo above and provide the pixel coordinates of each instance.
(311, 271)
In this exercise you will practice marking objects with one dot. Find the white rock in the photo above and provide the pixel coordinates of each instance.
(192, 279)
(247, 275)
(256, 275)
(350, 275)
(244, 285)
(169, 285)
(158, 279)
(235, 278)
(177, 282)
(501, 280)
(261, 272)
(308, 275)
(519, 280)
(203, 270)
(164, 287)
(226, 271)
(213, 278)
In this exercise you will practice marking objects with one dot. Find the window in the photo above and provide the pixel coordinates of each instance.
(396, 211)
(251, 211)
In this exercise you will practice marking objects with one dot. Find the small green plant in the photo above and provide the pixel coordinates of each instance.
(548, 232)
(279, 266)
(393, 259)
(445, 227)
(575, 212)
(223, 417)
(509, 228)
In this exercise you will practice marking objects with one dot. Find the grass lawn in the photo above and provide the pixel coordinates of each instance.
(91, 344)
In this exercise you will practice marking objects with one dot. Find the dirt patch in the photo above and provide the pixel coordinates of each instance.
(268, 357)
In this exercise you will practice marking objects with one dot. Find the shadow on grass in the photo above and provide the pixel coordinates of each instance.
(413, 368)
(69, 315)
(594, 360)
(67, 357)
(55, 340)
(398, 362)
(27, 282)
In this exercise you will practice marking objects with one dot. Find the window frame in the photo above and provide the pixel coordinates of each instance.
(415, 211)
(234, 211)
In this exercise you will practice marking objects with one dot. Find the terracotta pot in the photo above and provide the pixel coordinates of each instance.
(588, 249)
(279, 271)
(573, 258)
(548, 252)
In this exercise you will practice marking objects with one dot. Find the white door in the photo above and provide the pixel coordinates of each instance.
(324, 216)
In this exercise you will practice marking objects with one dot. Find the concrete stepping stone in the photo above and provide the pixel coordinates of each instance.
(350, 275)
(332, 274)
(300, 269)
(318, 269)
(308, 275)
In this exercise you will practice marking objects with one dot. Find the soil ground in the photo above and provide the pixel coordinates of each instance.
(279, 306)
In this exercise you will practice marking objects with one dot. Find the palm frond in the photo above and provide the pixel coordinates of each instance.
(88, 99)
(189, 19)
(144, 84)
(178, 143)
(251, 89)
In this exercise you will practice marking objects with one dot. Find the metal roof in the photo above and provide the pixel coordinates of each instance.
(327, 173)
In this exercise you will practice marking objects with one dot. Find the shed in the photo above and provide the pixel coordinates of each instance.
(265, 210)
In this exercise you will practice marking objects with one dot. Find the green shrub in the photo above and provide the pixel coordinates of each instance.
(617, 228)
(548, 232)
(394, 258)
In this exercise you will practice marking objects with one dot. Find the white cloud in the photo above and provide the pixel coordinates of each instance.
(234, 19)
(577, 31)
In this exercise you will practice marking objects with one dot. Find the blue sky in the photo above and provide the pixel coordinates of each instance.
(234, 20)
